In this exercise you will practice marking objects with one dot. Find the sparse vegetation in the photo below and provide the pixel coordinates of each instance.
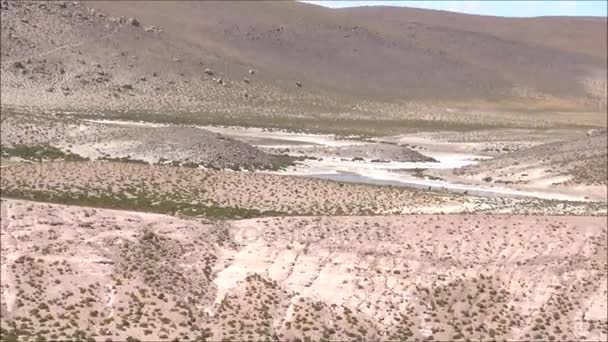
(38, 153)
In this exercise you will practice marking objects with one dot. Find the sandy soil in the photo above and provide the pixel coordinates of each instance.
(154, 187)
(98, 250)
(115, 274)
(576, 166)
(421, 160)
(151, 143)
(349, 160)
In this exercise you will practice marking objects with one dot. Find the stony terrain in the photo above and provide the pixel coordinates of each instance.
(208, 60)
(572, 162)
(168, 144)
(30, 132)
(144, 198)
(380, 152)
(96, 274)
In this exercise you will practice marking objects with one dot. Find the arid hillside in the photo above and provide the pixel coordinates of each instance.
(580, 161)
(103, 275)
(292, 58)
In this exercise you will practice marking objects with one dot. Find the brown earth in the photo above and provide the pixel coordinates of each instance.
(292, 58)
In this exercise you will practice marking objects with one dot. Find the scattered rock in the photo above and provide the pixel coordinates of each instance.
(251, 71)
(246, 80)
(208, 71)
(596, 132)
(127, 86)
(133, 22)
(62, 4)
(18, 65)
(38, 69)
(299, 84)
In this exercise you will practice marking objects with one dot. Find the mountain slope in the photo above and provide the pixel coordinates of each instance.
(294, 58)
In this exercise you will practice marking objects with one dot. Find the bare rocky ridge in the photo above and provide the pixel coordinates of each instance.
(209, 57)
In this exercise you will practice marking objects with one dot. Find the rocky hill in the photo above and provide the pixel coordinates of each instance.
(291, 58)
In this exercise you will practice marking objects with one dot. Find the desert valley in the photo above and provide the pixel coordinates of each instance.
(281, 171)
